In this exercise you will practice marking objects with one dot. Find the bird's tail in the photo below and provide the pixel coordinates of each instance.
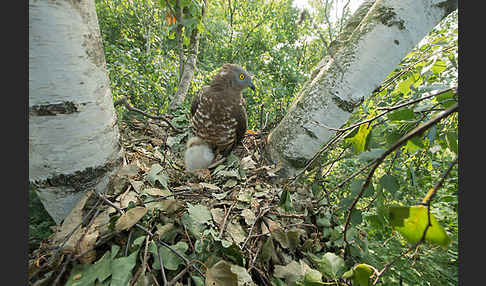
(198, 154)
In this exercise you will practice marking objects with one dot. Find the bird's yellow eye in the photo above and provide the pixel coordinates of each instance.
(242, 76)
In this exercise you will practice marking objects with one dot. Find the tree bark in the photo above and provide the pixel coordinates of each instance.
(188, 68)
(73, 133)
(374, 41)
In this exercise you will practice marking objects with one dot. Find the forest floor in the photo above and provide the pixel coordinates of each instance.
(227, 224)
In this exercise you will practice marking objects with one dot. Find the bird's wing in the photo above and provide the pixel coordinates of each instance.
(241, 121)
(195, 100)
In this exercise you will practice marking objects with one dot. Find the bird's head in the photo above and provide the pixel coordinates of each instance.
(239, 77)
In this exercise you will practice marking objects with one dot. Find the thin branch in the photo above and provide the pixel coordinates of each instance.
(375, 163)
(427, 199)
(160, 242)
(223, 224)
(123, 100)
(387, 110)
(402, 140)
(325, 148)
(162, 271)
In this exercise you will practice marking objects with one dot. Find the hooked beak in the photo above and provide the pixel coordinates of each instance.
(252, 86)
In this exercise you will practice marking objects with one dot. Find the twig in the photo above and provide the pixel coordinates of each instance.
(145, 256)
(58, 278)
(128, 242)
(178, 276)
(433, 191)
(375, 163)
(387, 110)
(123, 100)
(409, 135)
(286, 226)
(334, 161)
(260, 215)
(162, 271)
(332, 141)
(188, 237)
(223, 224)
(160, 242)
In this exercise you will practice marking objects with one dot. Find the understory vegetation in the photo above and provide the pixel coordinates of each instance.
(234, 224)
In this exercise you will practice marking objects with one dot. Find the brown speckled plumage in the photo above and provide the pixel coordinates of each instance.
(218, 111)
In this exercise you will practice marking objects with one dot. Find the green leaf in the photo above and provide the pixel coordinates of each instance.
(362, 274)
(295, 271)
(170, 260)
(404, 86)
(431, 135)
(268, 250)
(412, 221)
(415, 143)
(411, 170)
(114, 250)
(157, 173)
(330, 265)
(446, 99)
(197, 280)
(82, 274)
(192, 225)
(359, 140)
(356, 186)
(121, 269)
(285, 201)
(451, 138)
(371, 155)
(312, 275)
(233, 252)
(401, 114)
(438, 67)
(389, 183)
(199, 213)
(103, 267)
(356, 217)
(87, 274)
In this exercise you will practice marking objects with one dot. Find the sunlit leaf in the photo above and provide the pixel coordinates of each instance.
(401, 114)
(412, 221)
(359, 140)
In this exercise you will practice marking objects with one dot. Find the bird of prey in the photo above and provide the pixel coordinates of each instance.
(219, 117)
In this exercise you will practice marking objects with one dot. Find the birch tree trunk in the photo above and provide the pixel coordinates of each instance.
(73, 133)
(187, 72)
(189, 66)
(376, 38)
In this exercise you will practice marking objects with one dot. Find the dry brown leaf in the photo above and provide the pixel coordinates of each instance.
(129, 171)
(210, 187)
(85, 244)
(70, 222)
(202, 174)
(130, 218)
(236, 232)
(171, 206)
(102, 221)
(127, 197)
(272, 225)
(247, 163)
(195, 187)
(137, 185)
(218, 215)
(157, 192)
(249, 216)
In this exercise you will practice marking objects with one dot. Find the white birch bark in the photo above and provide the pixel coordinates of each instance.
(73, 133)
(376, 38)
